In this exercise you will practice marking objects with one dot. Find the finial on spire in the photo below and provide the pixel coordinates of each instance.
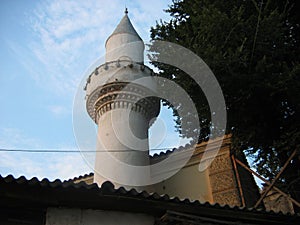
(126, 10)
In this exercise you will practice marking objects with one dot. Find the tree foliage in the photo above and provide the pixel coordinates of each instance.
(252, 46)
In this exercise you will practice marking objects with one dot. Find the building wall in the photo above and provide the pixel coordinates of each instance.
(187, 183)
(216, 184)
(77, 216)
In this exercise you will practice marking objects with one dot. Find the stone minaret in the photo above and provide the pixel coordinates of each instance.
(120, 105)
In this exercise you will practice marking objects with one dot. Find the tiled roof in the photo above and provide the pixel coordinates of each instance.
(82, 177)
(169, 151)
(68, 194)
(189, 146)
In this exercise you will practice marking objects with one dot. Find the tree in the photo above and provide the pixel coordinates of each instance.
(253, 49)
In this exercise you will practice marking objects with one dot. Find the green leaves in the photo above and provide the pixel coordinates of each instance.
(253, 49)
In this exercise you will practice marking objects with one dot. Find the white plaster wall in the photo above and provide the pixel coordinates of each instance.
(67, 216)
(124, 45)
(189, 183)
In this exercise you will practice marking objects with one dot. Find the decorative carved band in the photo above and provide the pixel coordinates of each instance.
(118, 95)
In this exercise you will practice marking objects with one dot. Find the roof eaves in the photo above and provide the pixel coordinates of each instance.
(84, 194)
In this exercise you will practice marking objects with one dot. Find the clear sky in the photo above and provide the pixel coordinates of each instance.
(45, 49)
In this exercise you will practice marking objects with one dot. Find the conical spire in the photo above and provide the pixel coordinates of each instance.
(126, 40)
(125, 26)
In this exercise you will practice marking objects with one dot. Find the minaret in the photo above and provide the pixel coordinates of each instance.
(117, 99)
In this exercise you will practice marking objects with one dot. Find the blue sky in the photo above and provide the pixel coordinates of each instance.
(45, 49)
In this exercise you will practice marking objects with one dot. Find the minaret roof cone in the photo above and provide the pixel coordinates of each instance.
(125, 27)
(124, 43)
